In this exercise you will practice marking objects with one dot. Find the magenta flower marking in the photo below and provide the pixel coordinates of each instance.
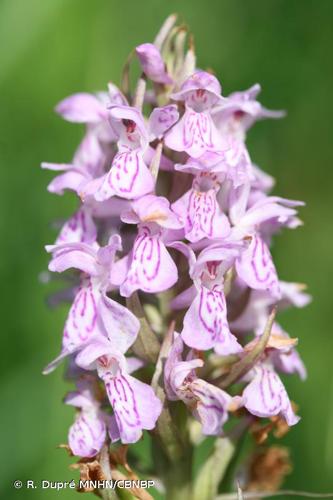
(200, 210)
(150, 266)
(128, 178)
(195, 134)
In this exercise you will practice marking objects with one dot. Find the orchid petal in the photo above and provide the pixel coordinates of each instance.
(87, 435)
(211, 408)
(195, 134)
(152, 63)
(202, 215)
(71, 180)
(206, 325)
(121, 325)
(184, 299)
(82, 108)
(266, 396)
(151, 208)
(98, 347)
(151, 267)
(200, 81)
(129, 177)
(79, 228)
(134, 404)
(77, 255)
(161, 119)
(82, 321)
(255, 266)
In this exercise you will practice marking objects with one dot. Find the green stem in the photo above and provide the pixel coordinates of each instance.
(176, 474)
(178, 479)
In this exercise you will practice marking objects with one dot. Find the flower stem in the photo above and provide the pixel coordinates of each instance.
(176, 475)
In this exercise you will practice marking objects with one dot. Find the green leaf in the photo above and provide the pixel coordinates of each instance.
(212, 471)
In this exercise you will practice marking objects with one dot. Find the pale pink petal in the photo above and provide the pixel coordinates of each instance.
(223, 252)
(255, 266)
(79, 228)
(269, 208)
(182, 374)
(82, 108)
(201, 215)
(134, 403)
(242, 107)
(111, 208)
(135, 406)
(90, 156)
(263, 181)
(187, 251)
(151, 267)
(174, 357)
(116, 97)
(238, 201)
(81, 399)
(195, 134)
(161, 119)
(184, 299)
(293, 294)
(211, 409)
(73, 255)
(87, 435)
(106, 254)
(151, 208)
(266, 396)
(98, 347)
(112, 428)
(129, 125)
(88, 188)
(289, 362)
(119, 270)
(152, 63)
(134, 364)
(165, 163)
(129, 177)
(121, 325)
(202, 87)
(82, 321)
(206, 325)
(208, 403)
(71, 180)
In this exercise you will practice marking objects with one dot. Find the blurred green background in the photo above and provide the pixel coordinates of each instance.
(52, 48)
